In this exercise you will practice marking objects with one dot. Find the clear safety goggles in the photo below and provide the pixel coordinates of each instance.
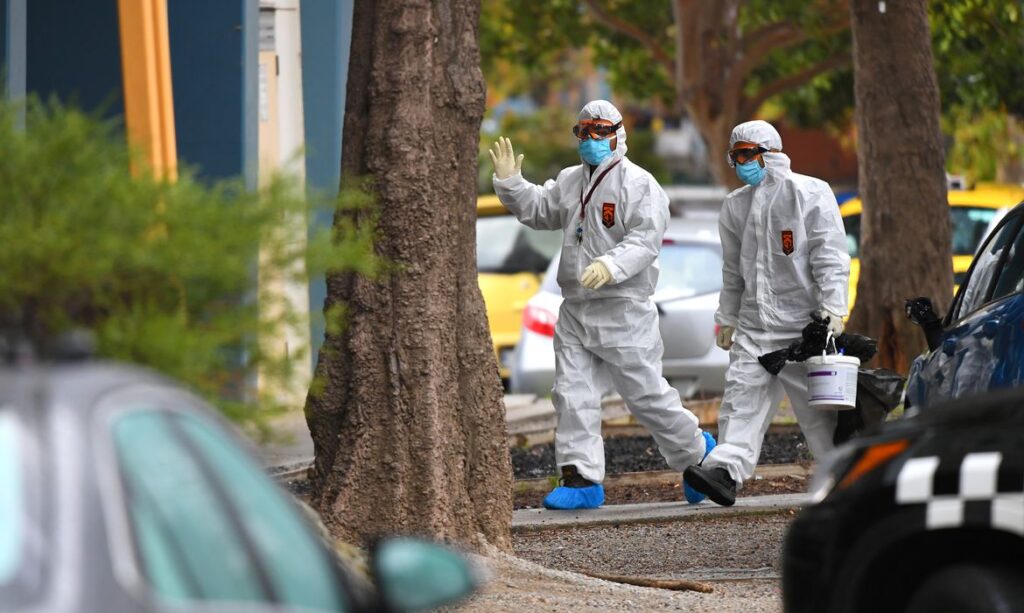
(595, 131)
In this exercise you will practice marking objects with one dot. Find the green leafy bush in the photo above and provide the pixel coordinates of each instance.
(164, 274)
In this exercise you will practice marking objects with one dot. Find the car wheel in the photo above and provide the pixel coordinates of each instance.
(970, 588)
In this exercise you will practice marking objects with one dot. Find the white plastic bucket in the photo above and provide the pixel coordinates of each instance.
(832, 382)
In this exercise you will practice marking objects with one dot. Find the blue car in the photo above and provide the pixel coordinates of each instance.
(979, 345)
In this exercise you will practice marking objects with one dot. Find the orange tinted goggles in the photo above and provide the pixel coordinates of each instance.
(595, 131)
(745, 154)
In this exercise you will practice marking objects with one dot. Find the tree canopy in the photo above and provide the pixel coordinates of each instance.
(685, 56)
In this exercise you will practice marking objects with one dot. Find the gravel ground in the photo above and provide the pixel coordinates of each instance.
(542, 577)
(636, 454)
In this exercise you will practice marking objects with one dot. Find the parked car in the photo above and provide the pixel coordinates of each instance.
(121, 492)
(510, 259)
(925, 515)
(981, 343)
(970, 213)
(687, 297)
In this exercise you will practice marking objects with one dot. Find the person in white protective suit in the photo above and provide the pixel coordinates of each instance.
(784, 257)
(613, 215)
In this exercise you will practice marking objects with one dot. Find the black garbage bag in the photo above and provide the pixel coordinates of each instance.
(812, 342)
(878, 392)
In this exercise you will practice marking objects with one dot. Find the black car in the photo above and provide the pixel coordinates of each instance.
(927, 514)
(121, 492)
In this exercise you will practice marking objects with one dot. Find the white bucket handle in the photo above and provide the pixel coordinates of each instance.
(824, 350)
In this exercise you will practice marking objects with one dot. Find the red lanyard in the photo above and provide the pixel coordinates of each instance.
(583, 203)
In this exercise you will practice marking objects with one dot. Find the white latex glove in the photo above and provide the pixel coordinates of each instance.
(595, 275)
(724, 338)
(835, 322)
(505, 161)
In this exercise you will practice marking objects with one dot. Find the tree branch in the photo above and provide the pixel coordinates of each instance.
(632, 31)
(792, 81)
(773, 37)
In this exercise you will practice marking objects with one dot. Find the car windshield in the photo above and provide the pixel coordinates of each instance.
(968, 224)
(11, 513)
(503, 245)
(687, 269)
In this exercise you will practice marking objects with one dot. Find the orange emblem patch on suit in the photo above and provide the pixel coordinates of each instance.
(608, 214)
(787, 242)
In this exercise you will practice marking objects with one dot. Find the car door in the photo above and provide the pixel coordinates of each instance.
(687, 297)
(984, 319)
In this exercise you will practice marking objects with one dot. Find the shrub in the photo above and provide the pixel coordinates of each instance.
(163, 274)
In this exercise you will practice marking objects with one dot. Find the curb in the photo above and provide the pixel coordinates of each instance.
(527, 520)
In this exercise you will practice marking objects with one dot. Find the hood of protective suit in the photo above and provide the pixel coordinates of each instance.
(602, 109)
(758, 132)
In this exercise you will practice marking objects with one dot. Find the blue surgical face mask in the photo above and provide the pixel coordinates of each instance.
(594, 152)
(750, 173)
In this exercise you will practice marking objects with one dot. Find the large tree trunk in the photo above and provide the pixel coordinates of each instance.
(409, 426)
(905, 233)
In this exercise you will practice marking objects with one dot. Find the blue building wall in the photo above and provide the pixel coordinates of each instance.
(326, 39)
(213, 71)
(73, 52)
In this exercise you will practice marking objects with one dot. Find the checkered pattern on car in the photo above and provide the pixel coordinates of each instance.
(976, 492)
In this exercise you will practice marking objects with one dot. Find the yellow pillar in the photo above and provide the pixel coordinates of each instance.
(146, 67)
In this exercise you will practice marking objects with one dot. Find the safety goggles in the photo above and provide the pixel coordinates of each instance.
(745, 154)
(596, 131)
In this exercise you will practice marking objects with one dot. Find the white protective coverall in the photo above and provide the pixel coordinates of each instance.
(613, 330)
(784, 257)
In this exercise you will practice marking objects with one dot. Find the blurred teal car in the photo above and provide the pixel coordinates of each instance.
(122, 492)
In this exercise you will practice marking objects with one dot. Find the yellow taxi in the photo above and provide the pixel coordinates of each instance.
(510, 259)
(970, 212)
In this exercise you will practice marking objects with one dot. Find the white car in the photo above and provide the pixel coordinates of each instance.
(687, 297)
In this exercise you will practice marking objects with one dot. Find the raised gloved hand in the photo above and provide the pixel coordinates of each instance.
(595, 275)
(505, 161)
(724, 338)
(835, 322)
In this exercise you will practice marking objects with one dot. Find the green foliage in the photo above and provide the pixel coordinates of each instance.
(163, 274)
(982, 143)
(525, 44)
(979, 54)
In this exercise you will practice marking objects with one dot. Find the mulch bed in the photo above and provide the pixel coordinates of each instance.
(640, 454)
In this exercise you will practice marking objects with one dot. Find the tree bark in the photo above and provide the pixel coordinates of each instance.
(905, 228)
(408, 421)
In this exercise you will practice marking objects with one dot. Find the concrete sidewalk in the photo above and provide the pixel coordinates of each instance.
(539, 519)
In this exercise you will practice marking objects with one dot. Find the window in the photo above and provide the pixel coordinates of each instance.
(852, 225)
(298, 566)
(1011, 277)
(690, 269)
(190, 547)
(984, 270)
(968, 225)
(503, 245)
(11, 511)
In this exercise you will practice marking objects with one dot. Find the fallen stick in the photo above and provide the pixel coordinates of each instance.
(680, 585)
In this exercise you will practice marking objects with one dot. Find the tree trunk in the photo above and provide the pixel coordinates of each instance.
(408, 421)
(905, 231)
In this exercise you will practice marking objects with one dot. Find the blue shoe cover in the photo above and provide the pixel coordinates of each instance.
(566, 498)
(693, 496)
